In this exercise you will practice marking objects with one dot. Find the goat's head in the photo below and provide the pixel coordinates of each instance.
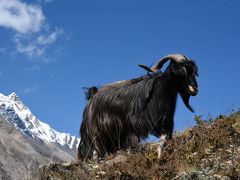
(184, 71)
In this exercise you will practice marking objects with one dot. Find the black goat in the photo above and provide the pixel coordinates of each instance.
(118, 113)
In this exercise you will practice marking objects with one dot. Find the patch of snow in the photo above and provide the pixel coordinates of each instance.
(27, 123)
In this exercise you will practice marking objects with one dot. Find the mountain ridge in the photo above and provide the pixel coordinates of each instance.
(26, 143)
(16, 112)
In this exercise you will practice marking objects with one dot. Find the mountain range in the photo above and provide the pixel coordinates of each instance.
(27, 143)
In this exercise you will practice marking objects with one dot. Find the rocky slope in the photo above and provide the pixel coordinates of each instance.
(18, 157)
(17, 113)
(210, 150)
(27, 143)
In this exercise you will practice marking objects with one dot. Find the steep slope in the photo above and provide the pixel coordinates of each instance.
(18, 158)
(13, 109)
(211, 150)
(27, 143)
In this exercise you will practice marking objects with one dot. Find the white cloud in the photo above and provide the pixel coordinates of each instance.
(26, 91)
(21, 17)
(33, 34)
(51, 38)
(33, 68)
(36, 46)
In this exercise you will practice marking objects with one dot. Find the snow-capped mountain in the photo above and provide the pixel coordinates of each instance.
(17, 113)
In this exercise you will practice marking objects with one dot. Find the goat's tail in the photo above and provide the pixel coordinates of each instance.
(90, 92)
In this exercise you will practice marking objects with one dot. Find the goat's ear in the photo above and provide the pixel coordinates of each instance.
(178, 69)
(145, 67)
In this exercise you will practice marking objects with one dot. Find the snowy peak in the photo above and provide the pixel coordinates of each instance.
(14, 97)
(16, 112)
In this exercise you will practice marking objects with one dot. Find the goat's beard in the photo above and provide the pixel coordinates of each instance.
(185, 97)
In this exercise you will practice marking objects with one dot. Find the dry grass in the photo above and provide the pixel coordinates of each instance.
(211, 149)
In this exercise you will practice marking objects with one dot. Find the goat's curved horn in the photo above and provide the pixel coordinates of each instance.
(175, 57)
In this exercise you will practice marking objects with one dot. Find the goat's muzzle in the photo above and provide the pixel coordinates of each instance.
(192, 90)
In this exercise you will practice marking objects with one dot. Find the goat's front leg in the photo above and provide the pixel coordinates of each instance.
(161, 144)
(167, 125)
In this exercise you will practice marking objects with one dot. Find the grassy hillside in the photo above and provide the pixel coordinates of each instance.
(211, 150)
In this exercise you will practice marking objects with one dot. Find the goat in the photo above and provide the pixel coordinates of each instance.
(119, 114)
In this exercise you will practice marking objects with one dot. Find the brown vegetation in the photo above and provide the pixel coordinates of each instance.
(209, 150)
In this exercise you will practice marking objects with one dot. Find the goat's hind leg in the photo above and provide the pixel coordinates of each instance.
(130, 142)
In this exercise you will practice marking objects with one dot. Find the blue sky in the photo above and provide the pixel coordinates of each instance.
(50, 50)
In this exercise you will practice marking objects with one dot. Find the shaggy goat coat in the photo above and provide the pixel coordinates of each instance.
(118, 113)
